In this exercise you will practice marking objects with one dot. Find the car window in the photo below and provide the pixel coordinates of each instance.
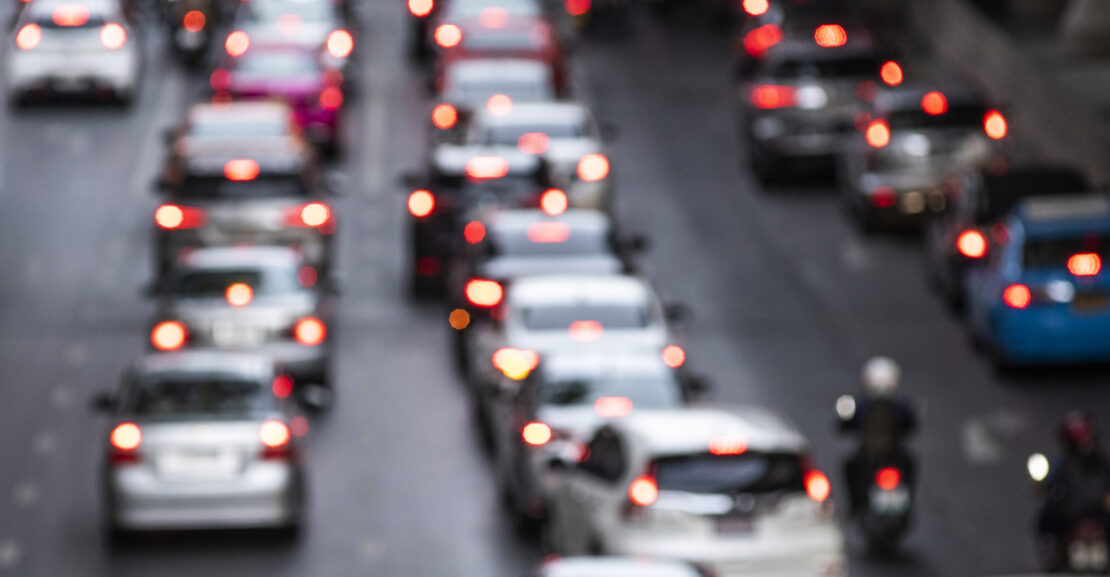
(271, 10)
(216, 186)
(969, 117)
(561, 317)
(604, 457)
(508, 40)
(644, 392)
(547, 238)
(480, 89)
(280, 64)
(214, 284)
(862, 67)
(750, 472)
(1055, 252)
(237, 130)
(216, 395)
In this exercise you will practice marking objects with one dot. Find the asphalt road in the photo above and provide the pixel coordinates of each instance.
(789, 301)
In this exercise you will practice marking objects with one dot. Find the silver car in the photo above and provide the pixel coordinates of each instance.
(200, 440)
(469, 85)
(71, 47)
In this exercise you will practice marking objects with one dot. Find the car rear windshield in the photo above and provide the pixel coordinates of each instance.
(214, 284)
(462, 10)
(509, 41)
(649, 392)
(730, 474)
(554, 318)
(167, 396)
(479, 90)
(826, 68)
(302, 11)
(281, 64)
(526, 243)
(510, 135)
(214, 187)
(969, 117)
(237, 130)
(1055, 252)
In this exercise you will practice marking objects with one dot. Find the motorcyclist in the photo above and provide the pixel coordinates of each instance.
(883, 420)
(1076, 489)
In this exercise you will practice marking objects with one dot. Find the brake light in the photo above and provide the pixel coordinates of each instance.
(830, 36)
(584, 331)
(331, 98)
(934, 103)
(239, 294)
(421, 203)
(487, 167)
(444, 116)
(888, 478)
(577, 7)
(878, 133)
(499, 105)
(548, 232)
(994, 124)
(759, 40)
(168, 335)
(220, 79)
(883, 197)
(282, 386)
(972, 244)
(126, 437)
(728, 445)
(1084, 264)
(113, 36)
(770, 96)
(310, 331)
(313, 215)
(674, 356)
(273, 434)
(307, 276)
(756, 7)
(612, 407)
(448, 35)
(241, 170)
(28, 37)
(817, 485)
(173, 217)
(421, 8)
(237, 43)
(474, 232)
(194, 21)
(553, 202)
(643, 491)
(484, 293)
(340, 43)
(593, 167)
(536, 434)
(515, 364)
(1017, 296)
(533, 143)
(69, 15)
(891, 73)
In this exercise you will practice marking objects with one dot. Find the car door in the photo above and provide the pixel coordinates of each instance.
(593, 493)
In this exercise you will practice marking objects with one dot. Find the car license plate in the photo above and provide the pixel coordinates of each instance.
(69, 84)
(735, 524)
(1089, 302)
(237, 335)
(199, 463)
(892, 501)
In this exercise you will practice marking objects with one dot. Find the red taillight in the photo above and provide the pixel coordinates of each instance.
(756, 7)
(515, 364)
(888, 478)
(421, 203)
(585, 331)
(883, 197)
(536, 434)
(168, 336)
(878, 133)
(770, 96)
(310, 331)
(553, 202)
(1084, 264)
(448, 35)
(499, 105)
(28, 37)
(340, 44)
(548, 232)
(643, 491)
(275, 438)
(891, 73)
(494, 17)
(934, 103)
(282, 386)
(1017, 296)
(70, 15)
(830, 36)
(728, 445)
(126, 437)
(239, 294)
(421, 8)
(220, 79)
(474, 232)
(577, 7)
(312, 215)
(994, 124)
(674, 356)
(307, 276)
(972, 244)
(593, 167)
(174, 217)
(241, 170)
(331, 98)
(194, 21)
(533, 143)
(817, 485)
(612, 407)
(444, 116)
(759, 40)
(237, 43)
(487, 167)
(484, 293)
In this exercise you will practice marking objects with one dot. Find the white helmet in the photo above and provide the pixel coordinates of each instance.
(881, 376)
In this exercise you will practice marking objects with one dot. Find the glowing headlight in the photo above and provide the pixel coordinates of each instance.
(811, 97)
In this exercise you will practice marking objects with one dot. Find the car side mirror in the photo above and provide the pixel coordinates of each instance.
(104, 402)
(609, 131)
(678, 313)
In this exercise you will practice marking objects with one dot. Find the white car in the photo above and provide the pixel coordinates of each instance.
(616, 567)
(68, 47)
(729, 489)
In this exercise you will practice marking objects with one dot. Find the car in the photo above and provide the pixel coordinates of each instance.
(616, 567)
(458, 181)
(240, 173)
(428, 15)
(1042, 296)
(565, 134)
(295, 75)
(69, 48)
(312, 25)
(892, 172)
(470, 85)
(200, 440)
(550, 415)
(191, 26)
(956, 238)
(255, 299)
(546, 314)
(729, 489)
(799, 95)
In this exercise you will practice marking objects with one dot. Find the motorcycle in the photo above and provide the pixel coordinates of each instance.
(1084, 548)
(192, 26)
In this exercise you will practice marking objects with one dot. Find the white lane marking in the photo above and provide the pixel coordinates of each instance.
(149, 162)
(369, 550)
(855, 256)
(26, 494)
(979, 445)
(11, 553)
(43, 443)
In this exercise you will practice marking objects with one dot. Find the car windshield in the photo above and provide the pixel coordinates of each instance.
(214, 187)
(645, 392)
(750, 472)
(608, 316)
(967, 117)
(1056, 251)
(237, 130)
(547, 238)
(215, 395)
(831, 69)
(206, 284)
(509, 135)
(279, 64)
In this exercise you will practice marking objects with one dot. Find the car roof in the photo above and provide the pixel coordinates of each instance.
(486, 69)
(268, 111)
(1003, 189)
(564, 113)
(40, 8)
(616, 567)
(517, 221)
(908, 96)
(544, 290)
(586, 365)
(241, 256)
(203, 361)
(1065, 214)
(690, 430)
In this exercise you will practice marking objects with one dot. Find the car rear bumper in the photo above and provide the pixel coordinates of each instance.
(314, 245)
(1053, 334)
(60, 73)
